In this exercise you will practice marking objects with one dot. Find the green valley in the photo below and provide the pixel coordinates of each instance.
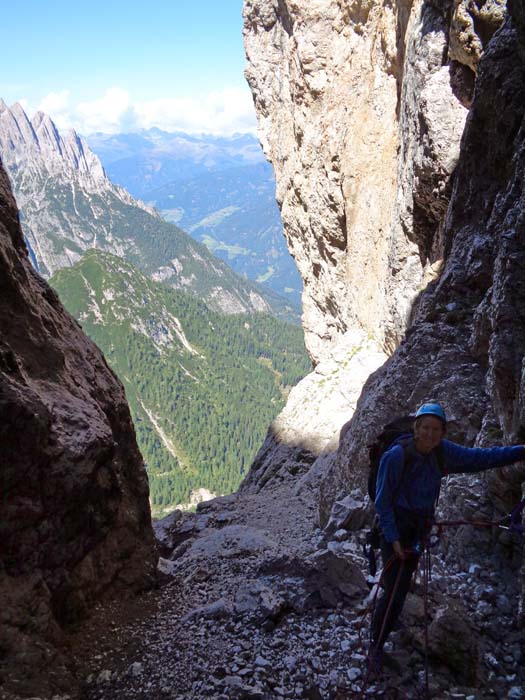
(202, 386)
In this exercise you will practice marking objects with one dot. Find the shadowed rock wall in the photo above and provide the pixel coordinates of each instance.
(75, 519)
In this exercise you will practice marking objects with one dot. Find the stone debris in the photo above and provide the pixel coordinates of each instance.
(104, 676)
(348, 513)
(135, 669)
(275, 609)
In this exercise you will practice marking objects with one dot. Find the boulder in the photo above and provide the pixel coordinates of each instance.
(334, 577)
(453, 642)
(261, 601)
(348, 513)
(230, 541)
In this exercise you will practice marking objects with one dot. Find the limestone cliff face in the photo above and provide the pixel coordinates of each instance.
(61, 190)
(361, 111)
(75, 514)
(358, 115)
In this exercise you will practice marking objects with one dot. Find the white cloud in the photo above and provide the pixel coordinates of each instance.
(111, 113)
(55, 101)
(56, 104)
(221, 112)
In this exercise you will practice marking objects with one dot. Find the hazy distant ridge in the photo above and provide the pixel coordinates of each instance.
(220, 190)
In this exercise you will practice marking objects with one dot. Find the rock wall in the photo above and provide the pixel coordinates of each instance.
(466, 346)
(19, 136)
(75, 519)
(360, 112)
(424, 251)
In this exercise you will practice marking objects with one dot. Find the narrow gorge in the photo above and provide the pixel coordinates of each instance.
(422, 254)
(397, 136)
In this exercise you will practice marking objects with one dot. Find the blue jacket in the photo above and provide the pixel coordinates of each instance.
(419, 488)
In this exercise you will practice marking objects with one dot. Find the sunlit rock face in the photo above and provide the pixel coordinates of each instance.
(75, 513)
(473, 25)
(309, 425)
(358, 114)
(62, 191)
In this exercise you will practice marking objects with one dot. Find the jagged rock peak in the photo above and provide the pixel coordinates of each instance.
(39, 139)
(46, 132)
(84, 158)
(15, 128)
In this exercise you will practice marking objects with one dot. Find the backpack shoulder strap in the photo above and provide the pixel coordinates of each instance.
(443, 471)
(408, 458)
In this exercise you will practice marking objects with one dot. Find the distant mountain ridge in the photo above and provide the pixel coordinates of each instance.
(68, 205)
(38, 143)
(220, 190)
(152, 158)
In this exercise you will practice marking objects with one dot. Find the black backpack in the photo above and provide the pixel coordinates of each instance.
(404, 425)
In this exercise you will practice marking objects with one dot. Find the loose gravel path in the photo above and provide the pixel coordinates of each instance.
(200, 634)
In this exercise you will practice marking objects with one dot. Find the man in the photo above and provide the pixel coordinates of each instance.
(408, 483)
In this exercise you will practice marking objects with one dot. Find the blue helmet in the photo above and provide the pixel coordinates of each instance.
(432, 409)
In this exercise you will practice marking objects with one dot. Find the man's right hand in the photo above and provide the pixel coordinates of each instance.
(398, 550)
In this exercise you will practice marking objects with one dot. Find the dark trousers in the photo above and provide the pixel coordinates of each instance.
(396, 580)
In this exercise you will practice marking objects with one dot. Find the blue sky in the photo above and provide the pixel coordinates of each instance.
(125, 65)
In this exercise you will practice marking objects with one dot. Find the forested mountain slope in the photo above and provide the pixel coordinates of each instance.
(202, 386)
